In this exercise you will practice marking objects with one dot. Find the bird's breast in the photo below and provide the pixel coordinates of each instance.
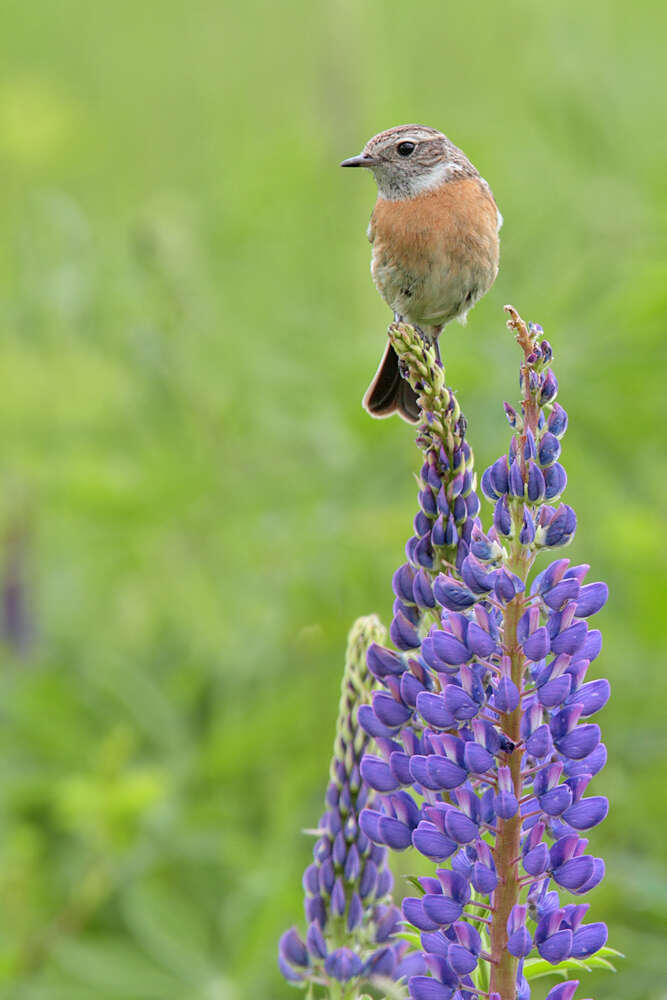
(434, 251)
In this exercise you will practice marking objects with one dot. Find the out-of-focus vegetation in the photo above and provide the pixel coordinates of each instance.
(194, 508)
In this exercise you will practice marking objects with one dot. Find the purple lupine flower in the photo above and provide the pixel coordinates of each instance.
(482, 723)
(351, 919)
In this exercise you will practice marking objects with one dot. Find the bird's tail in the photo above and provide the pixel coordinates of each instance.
(389, 392)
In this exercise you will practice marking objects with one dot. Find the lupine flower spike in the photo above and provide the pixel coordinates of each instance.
(486, 744)
(350, 914)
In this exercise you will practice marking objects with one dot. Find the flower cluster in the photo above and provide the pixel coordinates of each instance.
(484, 742)
(351, 918)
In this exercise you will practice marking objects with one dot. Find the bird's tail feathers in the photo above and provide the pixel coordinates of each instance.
(389, 392)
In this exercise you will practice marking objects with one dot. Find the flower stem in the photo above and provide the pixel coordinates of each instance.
(508, 840)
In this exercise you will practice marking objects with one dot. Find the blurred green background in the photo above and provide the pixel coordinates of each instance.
(194, 508)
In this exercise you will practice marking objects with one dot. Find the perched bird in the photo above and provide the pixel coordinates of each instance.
(434, 231)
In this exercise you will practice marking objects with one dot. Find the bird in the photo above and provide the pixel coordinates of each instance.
(435, 244)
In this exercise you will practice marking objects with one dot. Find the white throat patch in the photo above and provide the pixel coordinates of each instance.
(397, 187)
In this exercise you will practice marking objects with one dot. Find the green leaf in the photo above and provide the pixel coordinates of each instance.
(536, 968)
(413, 881)
(411, 937)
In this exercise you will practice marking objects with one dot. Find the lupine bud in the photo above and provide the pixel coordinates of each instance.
(348, 879)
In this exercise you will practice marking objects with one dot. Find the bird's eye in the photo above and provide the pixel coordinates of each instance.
(405, 148)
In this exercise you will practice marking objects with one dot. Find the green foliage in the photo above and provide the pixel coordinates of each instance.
(191, 499)
(537, 968)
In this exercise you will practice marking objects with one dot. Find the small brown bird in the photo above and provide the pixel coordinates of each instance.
(434, 231)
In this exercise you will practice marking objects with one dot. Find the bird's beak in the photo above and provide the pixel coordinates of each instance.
(363, 160)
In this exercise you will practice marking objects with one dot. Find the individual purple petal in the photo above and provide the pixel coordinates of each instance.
(310, 880)
(381, 962)
(593, 696)
(381, 661)
(478, 641)
(556, 800)
(549, 449)
(537, 645)
(540, 743)
(468, 936)
(451, 594)
(519, 943)
(432, 709)
(563, 991)
(445, 773)
(315, 941)
(507, 585)
(439, 531)
(562, 527)
(378, 774)
(402, 633)
(460, 704)
(441, 909)
(389, 711)
(460, 827)
(402, 581)
(433, 844)
(535, 487)
(427, 988)
(355, 912)
(483, 879)
(555, 481)
(588, 939)
(591, 599)
(293, 949)
(502, 519)
(399, 763)
(557, 947)
(449, 649)
(516, 483)
(592, 764)
(580, 742)
(549, 388)
(575, 872)
(477, 758)
(352, 864)
(414, 913)
(557, 597)
(422, 590)
(412, 964)
(370, 723)
(570, 640)
(461, 960)
(506, 695)
(343, 965)
(338, 901)
(315, 909)
(595, 878)
(592, 646)
(387, 921)
(587, 813)
(369, 822)
(394, 833)
(368, 879)
(500, 476)
(536, 861)
(554, 692)
(476, 576)
(557, 422)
